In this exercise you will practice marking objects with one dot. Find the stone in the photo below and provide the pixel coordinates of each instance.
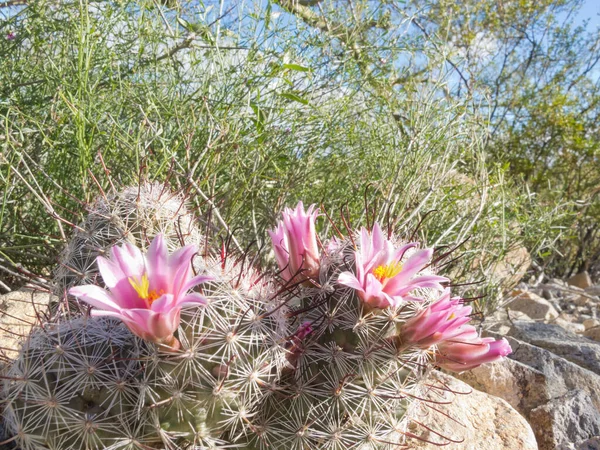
(593, 333)
(580, 350)
(591, 323)
(530, 378)
(19, 311)
(523, 387)
(566, 419)
(561, 376)
(582, 300)
(536, 307)
(475, 419)
(581, 280)
(589, 444)
(593, 290)
(572, 327)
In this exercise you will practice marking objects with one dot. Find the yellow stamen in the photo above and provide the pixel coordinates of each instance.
(388, 271)
(142, 288)
(451, 316)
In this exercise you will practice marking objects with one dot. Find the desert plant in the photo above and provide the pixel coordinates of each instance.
(89, 383)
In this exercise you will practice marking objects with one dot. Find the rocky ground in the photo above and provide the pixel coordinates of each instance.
(553, 375)
(546, 395)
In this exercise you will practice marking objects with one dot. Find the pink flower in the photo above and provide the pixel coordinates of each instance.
(295, 243)
(382, 278)
(146, 292)
(468, 351)
(440, 321)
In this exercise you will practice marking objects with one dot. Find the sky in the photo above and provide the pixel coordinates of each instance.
(590, 10)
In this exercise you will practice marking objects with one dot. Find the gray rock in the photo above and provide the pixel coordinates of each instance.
(533, 305)
(533, 377)
(590, 444)
(579, 350)
(581, 280)
(593, 290)
(561, 376)
(567, 419)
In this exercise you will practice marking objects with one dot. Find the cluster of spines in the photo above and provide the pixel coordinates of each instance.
(242, 377)
(352, 384)
(135, 215)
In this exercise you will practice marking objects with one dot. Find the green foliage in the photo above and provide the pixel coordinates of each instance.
(248, 109)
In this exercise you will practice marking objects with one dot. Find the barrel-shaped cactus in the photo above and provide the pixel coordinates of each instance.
(135, 215)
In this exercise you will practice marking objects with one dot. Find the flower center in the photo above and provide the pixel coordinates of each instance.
(143, 289)
(386, 271)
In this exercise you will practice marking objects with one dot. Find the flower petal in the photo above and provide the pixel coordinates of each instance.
(95, 296)
(193, 298)
(195, 281)
(158, 268)
(348, 279)
(130, 260)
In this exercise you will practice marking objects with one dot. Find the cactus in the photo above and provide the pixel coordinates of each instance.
(313, 358)
(89, 383)
(91, 379)
(134, 214)
(74, 386)
(353, 384)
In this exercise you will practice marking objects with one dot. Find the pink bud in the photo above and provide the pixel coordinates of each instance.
(440, 321)
(468, 351)
(295, 244)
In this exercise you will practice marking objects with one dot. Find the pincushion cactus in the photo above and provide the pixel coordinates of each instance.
(332, 351)
(95, 371)
(359, 366)
(133, 215)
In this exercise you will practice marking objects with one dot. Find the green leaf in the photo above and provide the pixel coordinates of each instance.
(294, 97)
(296, 67)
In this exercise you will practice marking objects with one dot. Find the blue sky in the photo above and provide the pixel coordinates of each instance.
(590, 10)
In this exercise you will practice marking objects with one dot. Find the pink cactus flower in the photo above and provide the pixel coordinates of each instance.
(147, 292)
(444, 319)
(295, 243)
(383, 278)
(468, 350)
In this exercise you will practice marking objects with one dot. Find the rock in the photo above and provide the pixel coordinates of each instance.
(582, 300)
(566, 419)
(589, 444)
(572, 327)
(581, 280)
(579, 350)
(19, 311)
(593, 290)
(512, 268)
(533, 305)
(591, 323)
(593, 333)
(561, 376)
(478, 420)
(532, 377)
(523, 387)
